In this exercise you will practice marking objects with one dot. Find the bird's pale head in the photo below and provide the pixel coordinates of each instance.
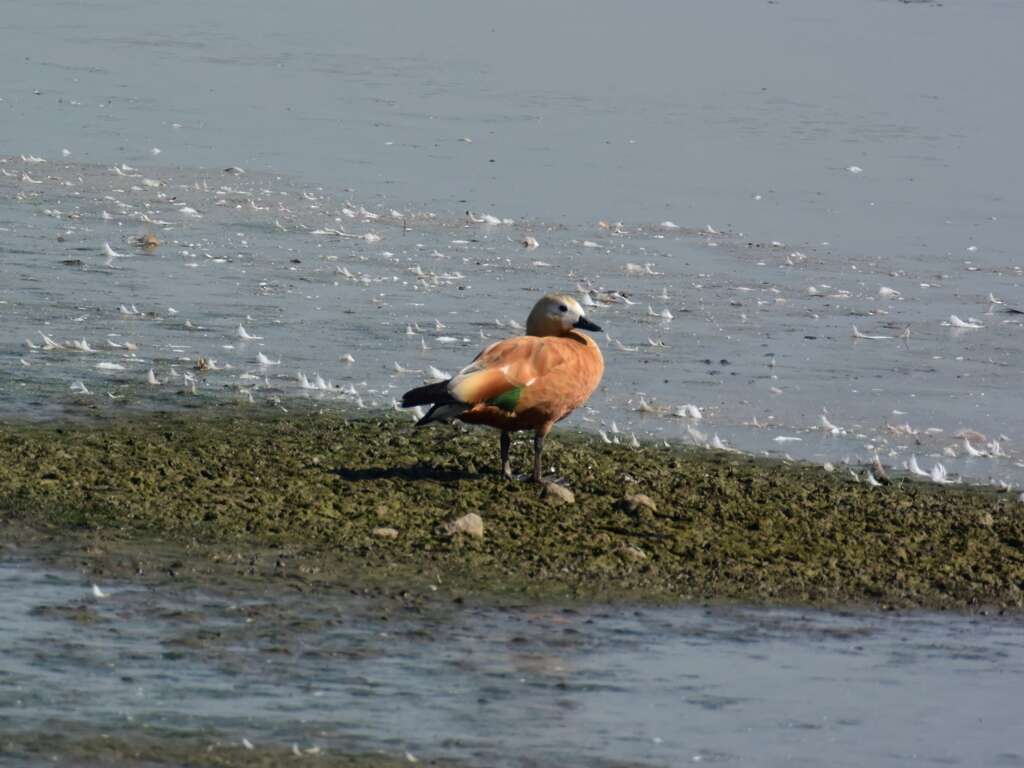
(556, 315)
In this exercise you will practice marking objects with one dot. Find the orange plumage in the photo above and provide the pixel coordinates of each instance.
(527, 382)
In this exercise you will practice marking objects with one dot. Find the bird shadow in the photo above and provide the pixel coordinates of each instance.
(417, 472)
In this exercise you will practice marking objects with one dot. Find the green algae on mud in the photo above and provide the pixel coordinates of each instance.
(321, 485)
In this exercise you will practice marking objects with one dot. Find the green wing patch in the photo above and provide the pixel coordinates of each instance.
(508, 399)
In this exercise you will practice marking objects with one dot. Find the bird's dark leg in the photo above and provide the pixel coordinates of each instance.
(538, 449)
(506, 465)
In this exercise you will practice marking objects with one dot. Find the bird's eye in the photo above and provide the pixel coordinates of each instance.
(562, 308)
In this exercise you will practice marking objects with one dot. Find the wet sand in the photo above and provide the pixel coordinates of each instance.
(319, 497)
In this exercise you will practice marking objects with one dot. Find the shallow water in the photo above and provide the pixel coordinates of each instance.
(744, 120)
(526, 686)
(737, 122)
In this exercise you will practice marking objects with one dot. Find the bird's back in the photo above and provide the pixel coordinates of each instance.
(554, 374)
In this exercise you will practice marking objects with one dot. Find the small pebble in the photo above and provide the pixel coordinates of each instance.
(471, 525)
(633, 553)
(559, 493)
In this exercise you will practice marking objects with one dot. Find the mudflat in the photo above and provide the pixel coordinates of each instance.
(321, 497)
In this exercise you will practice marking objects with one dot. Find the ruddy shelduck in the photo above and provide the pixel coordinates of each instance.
(527, 382)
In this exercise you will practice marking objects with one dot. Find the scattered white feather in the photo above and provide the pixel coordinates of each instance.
(858, 335)
(970, 323)
(830, 427)
(644, 406)
(317, 383)
(98, 593)
(152, 379)
(78, 387)
(902, 429)
(262, 359)
(688, 412)
(436, 374)
(718, 445)
(939, 474)
(971, 450)
(111, 254)
(486, 218)
(246, 336)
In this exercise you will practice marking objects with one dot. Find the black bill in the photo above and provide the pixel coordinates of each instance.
(586, 325)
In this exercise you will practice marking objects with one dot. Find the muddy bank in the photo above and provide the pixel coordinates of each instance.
(321, 498)
(156, 747)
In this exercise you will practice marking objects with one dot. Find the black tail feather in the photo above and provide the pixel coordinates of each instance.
(429, 394)
(444, 412)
